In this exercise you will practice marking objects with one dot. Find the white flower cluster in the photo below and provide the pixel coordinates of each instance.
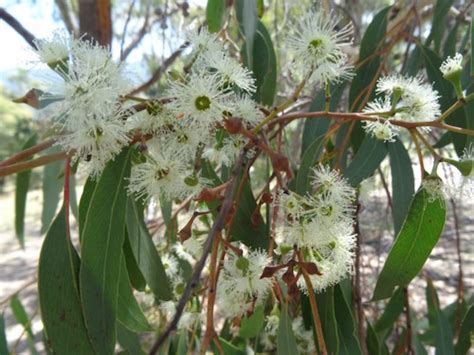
(87, 113)
(321, 226)
(405, 98)
(187, 126)
(317, 43)
(94, 125)
(304, 337)
(240, 287)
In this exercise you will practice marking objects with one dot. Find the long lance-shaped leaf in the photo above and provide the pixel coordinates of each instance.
(58, 291)
(21, 317)
(403, 182)
(102, 241)
(465, 340)
(286, 341)
(443, 331)
(369, 156)
(419, 234)
(145, 252)
(129, 312)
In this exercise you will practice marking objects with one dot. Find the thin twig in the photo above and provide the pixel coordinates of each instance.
(157, 74)
(314, 308)
(125, 27)
(15, 158)
(460, 286)
(27, 165)
(18, 27)
(409, 349)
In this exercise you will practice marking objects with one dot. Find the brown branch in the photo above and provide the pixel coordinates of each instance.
(409, 348)
(194, 279)
(18, 27)
(160, 70)
(314, 308)
(28, 152)
(125, 27)
(138, 38)
(66, 16)
(211, 298)
(27, 165)
(356, 291)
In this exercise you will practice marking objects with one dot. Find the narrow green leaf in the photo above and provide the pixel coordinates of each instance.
(327, 314)
(3, 337)
(229, 348)
(443, 332)
(87, 192)
(472, 42)
(392, 311)
(438, 27)
(368, 158)
(250, 327)
(347, 331)
(136, 277)
(129, 340)
(308, 160)
(247, 17)
(264, 66)
(129, 312)
(145, 252)
(21, 317)
(21, 191)
(286, 341)
(52, 186)
(372, 341)
(102, 242)
(315, 127)
(451, 41)
(403, 182)
(465, 341)
(366, 73)
(418, 236)
(215, 14)
(166, 209)
(58, 291)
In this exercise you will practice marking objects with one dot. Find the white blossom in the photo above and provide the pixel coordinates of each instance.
(381, 130)
(229, 71)
(451, 65)
(55, 49)
(240, 286)
(200, 98)
(416, 101)
(317, 42)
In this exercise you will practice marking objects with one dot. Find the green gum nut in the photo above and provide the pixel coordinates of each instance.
(454, 78)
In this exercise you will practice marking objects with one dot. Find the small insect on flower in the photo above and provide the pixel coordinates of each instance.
(317, 42)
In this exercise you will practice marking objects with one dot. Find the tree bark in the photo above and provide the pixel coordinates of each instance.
(95, 20)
